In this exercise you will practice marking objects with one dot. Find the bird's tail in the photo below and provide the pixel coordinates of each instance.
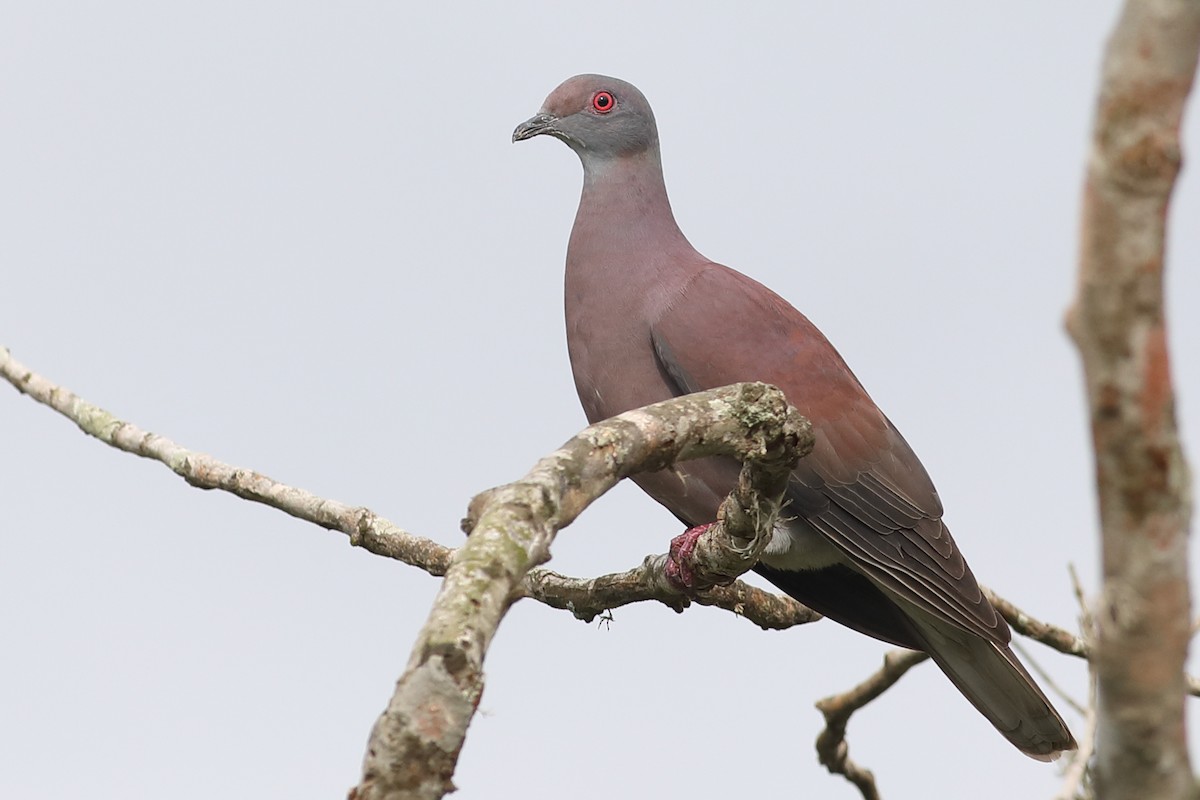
(991, 677)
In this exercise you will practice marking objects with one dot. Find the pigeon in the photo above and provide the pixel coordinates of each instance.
(861, 539)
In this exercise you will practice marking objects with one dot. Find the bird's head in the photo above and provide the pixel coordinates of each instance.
(600, 118)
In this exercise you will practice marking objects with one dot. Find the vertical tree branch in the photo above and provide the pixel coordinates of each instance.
(1118, 323)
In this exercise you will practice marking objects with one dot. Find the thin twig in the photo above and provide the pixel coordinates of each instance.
(1047, 679)
(1075, 776)
(1085, 614)
(365, 528)
(832, 748)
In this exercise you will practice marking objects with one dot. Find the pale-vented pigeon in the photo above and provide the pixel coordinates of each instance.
(649, 318)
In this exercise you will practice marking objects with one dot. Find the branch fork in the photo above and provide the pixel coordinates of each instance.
(415, 743)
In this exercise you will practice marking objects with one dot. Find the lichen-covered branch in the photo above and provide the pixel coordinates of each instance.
(585, 597)
(364, 527)
(415, 743)
(380, 536)
(512, 528)
(1118, 323)
(832, 749)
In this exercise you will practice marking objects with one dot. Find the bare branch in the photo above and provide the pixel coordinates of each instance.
(364, 527)
(1055, 637)
(1118, 324)
(591, 597)
(380, 536)
(832, 748)
(1050, 635)
(1075, 777)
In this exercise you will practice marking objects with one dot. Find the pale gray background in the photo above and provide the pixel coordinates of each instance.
(295, 235)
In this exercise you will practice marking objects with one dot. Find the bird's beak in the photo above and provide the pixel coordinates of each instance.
(537, 124)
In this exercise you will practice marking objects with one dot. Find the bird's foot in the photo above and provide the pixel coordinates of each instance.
(679, 571)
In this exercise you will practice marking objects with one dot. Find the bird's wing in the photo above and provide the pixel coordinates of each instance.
(862, 486)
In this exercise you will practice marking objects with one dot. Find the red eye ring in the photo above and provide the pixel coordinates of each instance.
(603, 102)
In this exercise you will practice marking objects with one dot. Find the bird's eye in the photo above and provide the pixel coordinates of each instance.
(603, 102)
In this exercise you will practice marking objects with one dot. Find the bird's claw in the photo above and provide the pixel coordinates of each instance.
(679, 571)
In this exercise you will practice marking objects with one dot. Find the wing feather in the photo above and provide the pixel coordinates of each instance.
(862, 487)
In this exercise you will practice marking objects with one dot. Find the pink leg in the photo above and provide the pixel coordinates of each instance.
(679, 567)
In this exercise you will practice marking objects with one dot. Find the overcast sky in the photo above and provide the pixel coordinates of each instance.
(296, 236)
